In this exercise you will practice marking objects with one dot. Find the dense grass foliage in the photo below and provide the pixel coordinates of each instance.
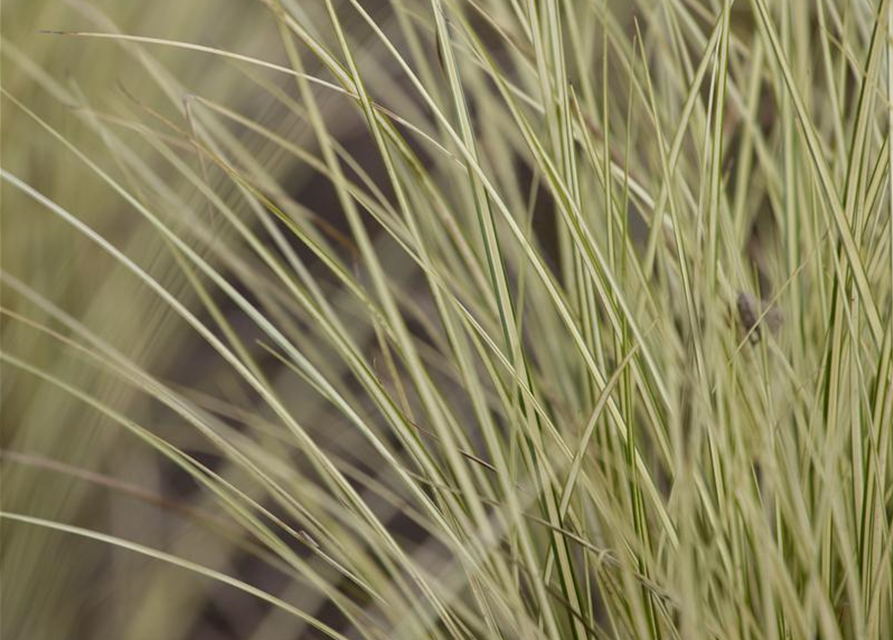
(448, 319)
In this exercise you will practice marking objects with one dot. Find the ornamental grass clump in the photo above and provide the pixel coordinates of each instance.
(447, 319)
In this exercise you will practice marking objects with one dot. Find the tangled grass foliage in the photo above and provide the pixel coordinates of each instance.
(447, 319)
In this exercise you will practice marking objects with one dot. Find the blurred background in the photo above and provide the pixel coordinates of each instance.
(63, 460)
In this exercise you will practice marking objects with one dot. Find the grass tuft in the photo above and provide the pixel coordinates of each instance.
(447, 319)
